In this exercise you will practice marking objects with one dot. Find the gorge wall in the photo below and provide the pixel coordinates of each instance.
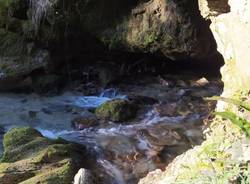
(230, 26)
(47, 34)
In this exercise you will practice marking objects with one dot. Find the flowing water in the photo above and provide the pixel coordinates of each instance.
(39, 10)
(124, 151)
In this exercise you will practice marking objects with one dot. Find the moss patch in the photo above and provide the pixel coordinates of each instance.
(31, 158)
(12, 44)
(116, 110)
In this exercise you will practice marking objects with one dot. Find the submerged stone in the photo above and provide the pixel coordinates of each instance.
(85, 120)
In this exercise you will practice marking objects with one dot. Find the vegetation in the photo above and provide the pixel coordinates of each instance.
(224, 156)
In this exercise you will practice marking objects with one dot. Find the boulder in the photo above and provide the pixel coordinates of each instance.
(31, 158)
(116, 110)
(84, 120)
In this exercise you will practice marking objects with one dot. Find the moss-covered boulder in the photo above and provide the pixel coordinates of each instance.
(116, 110)
(30, 158)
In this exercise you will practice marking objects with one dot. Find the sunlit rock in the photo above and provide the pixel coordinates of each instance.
(31, 158)
(83, 176)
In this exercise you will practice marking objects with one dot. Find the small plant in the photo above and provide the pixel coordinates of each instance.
(235, 119)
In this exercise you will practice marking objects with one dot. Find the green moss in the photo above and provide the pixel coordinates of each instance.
(18, 136)
(5, 3)
(60, 175)
(53, 153)
(214, 162)
(25, 150)
(12, 44)
(31, 158)
(150, 38)
(116, 110)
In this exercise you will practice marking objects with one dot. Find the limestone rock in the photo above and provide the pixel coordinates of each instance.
(231, 33)
(83, 176)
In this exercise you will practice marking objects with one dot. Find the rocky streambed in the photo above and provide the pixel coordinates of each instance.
(121, 134)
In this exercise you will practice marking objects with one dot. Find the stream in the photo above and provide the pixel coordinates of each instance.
(124, 151)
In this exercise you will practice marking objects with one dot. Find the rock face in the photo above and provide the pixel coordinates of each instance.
(19, 55)
(230, 26)
(34, 34)
(173, 28)
(231, 33)
(30, 158)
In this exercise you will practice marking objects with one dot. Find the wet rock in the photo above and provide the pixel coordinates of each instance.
(181, 93)
(84, 176)
(118, 148)
(200, 82)
(31, 158)
(117, 110)
(16, 61)
(107, 75)
(88, 89)
(181, 83)
(164, 82)
(84, 120)
(47, 83)
(142, 167)
(142, 100)
(167, 109)
(154, 141)
(202, 93)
